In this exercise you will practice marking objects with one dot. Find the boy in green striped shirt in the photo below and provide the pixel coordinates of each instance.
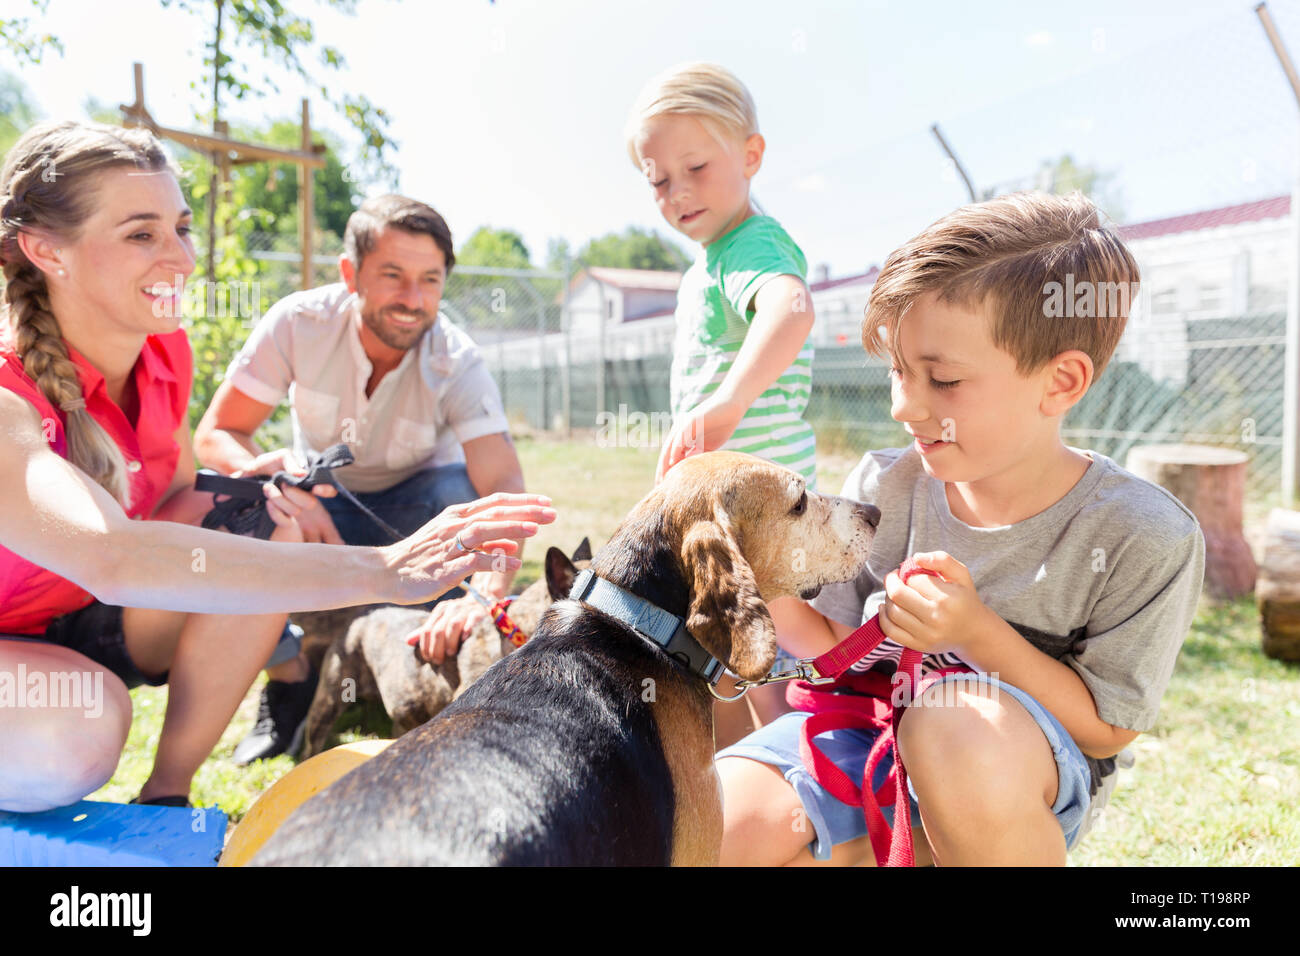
(742, 364)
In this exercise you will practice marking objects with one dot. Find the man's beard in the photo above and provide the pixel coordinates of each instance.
(395, 337)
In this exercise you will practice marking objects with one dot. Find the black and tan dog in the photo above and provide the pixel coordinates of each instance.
(591, 745)
(371, 661)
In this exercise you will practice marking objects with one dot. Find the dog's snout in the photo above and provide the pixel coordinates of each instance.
(870, 514)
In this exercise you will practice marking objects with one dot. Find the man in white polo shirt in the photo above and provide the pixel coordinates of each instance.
(368, 362)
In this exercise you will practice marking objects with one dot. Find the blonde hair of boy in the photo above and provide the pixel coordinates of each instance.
(704, 90)
(1007, 258)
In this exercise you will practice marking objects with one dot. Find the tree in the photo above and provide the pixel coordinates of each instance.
(261, 204)
(284, 38)
(558, 253)
(498, 305)
(499, 248)
(1064, 176)
(17, 36)
(17, 112)
(634, 248)
(267, 197)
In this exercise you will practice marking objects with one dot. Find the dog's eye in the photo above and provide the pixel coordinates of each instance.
(802, 504)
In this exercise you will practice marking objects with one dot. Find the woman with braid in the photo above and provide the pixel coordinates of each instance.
(95, 376)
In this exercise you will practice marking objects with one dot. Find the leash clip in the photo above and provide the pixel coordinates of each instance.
(726, 700)
(804, 669)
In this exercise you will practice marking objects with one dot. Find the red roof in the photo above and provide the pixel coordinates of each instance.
(868, 276)
(1275, 208)
(653, 279)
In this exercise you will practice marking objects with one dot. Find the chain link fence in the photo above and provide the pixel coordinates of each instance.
(1208, 380)
(1204, 356)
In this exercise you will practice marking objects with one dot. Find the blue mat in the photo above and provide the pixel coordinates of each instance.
(112, 834)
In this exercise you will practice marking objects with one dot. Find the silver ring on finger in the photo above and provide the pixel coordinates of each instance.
(460, 546)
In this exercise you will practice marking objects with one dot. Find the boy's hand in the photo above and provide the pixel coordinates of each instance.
(706, 428)
(930, 614)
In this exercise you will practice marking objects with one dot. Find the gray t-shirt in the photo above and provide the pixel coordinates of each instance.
(1106, 580)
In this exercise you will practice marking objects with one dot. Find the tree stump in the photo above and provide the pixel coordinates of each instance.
(1278, 593)
(1211, 482)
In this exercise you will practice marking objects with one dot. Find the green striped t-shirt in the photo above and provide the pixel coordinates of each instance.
(715, 305)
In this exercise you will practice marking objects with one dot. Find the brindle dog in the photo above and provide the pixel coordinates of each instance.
(371, 660)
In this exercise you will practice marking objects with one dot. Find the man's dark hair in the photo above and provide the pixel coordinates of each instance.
(397, 212)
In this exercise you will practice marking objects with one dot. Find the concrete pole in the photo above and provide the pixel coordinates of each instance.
(306, 202)
(565, 381)
(600, 358)
(1291, 381)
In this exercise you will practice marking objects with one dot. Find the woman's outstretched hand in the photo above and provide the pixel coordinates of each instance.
(430, 562)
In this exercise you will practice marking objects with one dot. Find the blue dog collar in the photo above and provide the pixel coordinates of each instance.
(650, 621)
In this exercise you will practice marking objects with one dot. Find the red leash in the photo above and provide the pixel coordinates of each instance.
(877, 711)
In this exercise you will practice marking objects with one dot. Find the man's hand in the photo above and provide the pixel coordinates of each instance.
(705, 428)
(293, 505)
(268, 463)
(934, 615)
(448, 624)
(305, 510)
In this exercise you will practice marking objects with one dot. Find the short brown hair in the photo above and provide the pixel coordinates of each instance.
(410, 215)
(1010, 256)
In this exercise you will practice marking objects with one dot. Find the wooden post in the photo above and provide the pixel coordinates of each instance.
(210, 266)
(138, 69)
(306, 203)
(222, 128)
(1278, 593)
(226, 152)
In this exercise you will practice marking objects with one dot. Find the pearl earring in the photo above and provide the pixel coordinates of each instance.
(63, 272)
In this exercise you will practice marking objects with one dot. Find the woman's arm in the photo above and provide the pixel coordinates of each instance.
(56, 517)
(180, 502)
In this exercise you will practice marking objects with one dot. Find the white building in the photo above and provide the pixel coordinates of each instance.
(618, 296)
(1220, 263)
(1215, 264)
(638, 310)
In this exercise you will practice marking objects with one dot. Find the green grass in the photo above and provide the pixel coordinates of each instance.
(1211, 782)
(1214, 782)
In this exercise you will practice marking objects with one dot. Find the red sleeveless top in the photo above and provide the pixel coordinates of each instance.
(31, 596)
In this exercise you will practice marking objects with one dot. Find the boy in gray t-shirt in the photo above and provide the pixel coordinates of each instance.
(1066, 579)
(1068, 584)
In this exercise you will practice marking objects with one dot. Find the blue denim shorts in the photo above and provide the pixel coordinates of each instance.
(834, 822)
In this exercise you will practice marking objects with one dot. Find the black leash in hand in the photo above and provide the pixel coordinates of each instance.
(240, 504)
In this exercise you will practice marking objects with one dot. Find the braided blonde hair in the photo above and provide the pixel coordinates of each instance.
(47, 185)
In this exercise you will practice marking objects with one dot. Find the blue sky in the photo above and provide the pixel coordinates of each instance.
(510, 114)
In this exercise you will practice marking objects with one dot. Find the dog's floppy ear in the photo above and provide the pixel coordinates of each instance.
(726, 614)
(583, 553)
(560, 573)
